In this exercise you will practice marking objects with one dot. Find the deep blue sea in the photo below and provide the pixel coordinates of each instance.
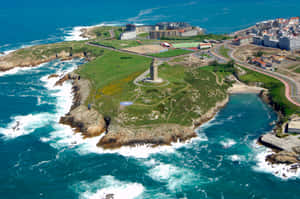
(43, 159)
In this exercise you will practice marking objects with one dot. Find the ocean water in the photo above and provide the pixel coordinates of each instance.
(42, 159)
(32, 22)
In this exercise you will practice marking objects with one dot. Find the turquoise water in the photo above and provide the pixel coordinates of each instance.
(32, 22)
(43, 159)
(40, 158)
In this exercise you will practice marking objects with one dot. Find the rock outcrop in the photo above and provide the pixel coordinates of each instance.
(283, 157)
(287, 149)
(87, 121)
(157, 135)
(11, 60)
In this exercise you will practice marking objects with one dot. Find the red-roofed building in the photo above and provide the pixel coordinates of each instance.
(259, 62)
(294, 21)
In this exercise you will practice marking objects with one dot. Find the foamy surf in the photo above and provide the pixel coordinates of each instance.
(19, 70)
(23, 125)
(237, 158)
(175, 177)
(227, 143)
(76, 33)
(108, 186)
(26, 124)
(282, 171)
(65, 137)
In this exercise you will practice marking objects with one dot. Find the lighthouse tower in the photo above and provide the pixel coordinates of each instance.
(154, 71)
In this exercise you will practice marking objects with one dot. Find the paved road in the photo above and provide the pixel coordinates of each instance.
(291, 89)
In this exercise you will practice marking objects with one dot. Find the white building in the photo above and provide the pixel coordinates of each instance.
(130, 35)
(294, 125)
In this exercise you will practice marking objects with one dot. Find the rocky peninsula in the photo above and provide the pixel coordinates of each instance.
(90, 123)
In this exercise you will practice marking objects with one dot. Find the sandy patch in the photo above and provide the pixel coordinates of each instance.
(243, 88)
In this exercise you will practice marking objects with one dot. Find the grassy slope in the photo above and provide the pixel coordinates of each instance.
(110, 75)
(189, 91)
(171, 53)
(275, 87)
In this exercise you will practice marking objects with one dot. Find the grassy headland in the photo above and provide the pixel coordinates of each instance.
(186, 93)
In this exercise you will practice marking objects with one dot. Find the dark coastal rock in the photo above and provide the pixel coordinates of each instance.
(283, 157)
(89, 122)
(53, 76)
(264, 95)
(157, 135)
(297, 149)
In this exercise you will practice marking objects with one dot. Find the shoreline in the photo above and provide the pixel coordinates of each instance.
(239, 87)
(119, 136)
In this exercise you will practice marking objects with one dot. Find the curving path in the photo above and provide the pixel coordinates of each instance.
(290, 85)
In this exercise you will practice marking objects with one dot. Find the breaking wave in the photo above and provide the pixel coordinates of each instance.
(109, 186)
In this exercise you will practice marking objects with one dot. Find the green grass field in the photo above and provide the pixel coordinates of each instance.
(276, 89)
(119, 44)
(224, 52)
(186, 45)
(171, 53)
(297, 70)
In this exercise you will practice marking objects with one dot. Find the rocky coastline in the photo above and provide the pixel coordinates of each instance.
(286, 148)
(90, 123)
(7, 63)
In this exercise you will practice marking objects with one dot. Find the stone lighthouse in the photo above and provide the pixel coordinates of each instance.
(154, 71)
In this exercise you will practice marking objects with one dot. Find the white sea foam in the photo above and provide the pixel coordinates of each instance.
(227, 143)
(76, 33)
(279, 170)
(20, 70)
(66, 138)
(26, 124)
(175, 177)
(109, 185)
(23, 125)
(237, 158)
